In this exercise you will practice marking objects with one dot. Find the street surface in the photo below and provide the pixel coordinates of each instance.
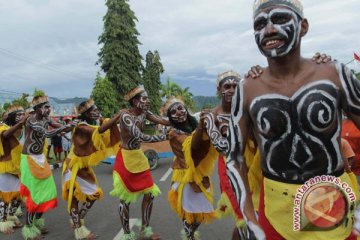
(103, 218)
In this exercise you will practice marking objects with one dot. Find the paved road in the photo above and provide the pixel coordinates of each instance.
(103, 218)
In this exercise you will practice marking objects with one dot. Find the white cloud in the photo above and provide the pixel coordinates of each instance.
(196, 39)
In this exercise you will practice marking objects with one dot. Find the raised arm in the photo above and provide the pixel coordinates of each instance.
(236, 168)
(108, 124)
(129, 123)
(156, 119)
(11, 131)
(37, 127)
(200, 140)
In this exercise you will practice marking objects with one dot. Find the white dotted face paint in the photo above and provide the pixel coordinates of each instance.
(277, 32)
(144, 102)
(178, 112)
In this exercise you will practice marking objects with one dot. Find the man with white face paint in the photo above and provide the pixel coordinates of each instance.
(211, 138)
(294, 110)
(37, 183)
(131, 174)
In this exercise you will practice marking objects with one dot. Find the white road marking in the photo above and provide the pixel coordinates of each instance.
(166, 175)
(121, 233)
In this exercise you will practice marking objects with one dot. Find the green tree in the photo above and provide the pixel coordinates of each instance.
(104, 96)
(119, 57)
(169, 89)
(358, 75)
(151, 79)
(23, 100)
(187, 97)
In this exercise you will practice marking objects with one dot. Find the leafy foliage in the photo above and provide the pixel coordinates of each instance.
(38, 93)
(202, 102)
(22, 101)
(119, 56)
(171, 88)
(151, 79)
(104, 96)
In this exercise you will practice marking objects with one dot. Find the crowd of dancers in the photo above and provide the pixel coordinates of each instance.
(273, 135)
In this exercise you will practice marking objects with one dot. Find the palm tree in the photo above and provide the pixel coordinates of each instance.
(187, 96)
(169, 89)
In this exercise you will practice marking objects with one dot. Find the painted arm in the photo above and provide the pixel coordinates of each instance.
(128, 122)
(35, 126)
(236, 168)
(11, 131)
(108, 124)
(217, 140)
(199, 142)
(156, 119)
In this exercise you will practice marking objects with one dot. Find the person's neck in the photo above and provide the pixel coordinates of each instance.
(226, 106)
(289, 65)
(136, 111)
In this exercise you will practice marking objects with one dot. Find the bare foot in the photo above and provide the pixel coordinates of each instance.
(91, 236)
(8, 231)
(44, 230)
(18, 224)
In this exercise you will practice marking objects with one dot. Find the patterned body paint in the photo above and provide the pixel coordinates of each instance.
(123, 210)
(237, 146)
(146, 209)
(135, 125)
(74, 214)
(190, 229)
(85, 207)
(287, 25)
(35, 134)
(217, 134)
(294, 129)
(3, 207)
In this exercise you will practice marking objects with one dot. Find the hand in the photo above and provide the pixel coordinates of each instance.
(321, 58)
(203, 115)
(254, 72)
(74, 123)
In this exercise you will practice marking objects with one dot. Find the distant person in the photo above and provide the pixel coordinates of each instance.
(56, 142)
(66, 140)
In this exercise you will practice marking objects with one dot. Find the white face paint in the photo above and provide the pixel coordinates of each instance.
(45, 110)
(19, 115)
(178, 112)
(277, 32)
(94, 113)
(143, 102)
(227, 88)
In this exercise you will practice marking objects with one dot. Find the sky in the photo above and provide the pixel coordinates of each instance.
(53, 44)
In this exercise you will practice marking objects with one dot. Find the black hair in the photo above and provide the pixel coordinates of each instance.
(188, 127)
(83, 116)
(11, 119)
(39, 105)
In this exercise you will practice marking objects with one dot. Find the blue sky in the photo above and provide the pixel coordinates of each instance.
(52, 44)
